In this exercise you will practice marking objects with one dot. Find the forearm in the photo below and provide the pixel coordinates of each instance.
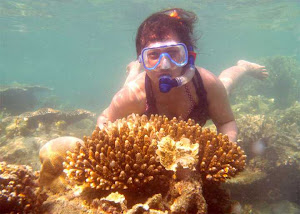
(230, 129)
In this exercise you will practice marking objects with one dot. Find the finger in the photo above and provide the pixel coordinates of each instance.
(261, 66)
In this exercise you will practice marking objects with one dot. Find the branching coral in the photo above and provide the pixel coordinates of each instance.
(221, 159)
(19, 190)
(123, 154)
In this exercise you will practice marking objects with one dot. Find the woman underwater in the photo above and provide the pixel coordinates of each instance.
(171, 84)
(164, 81)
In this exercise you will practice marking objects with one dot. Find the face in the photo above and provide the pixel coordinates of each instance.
(165, 66)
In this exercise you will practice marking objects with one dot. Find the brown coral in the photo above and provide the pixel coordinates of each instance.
(123, 154)
(220, 158)
(19, 189)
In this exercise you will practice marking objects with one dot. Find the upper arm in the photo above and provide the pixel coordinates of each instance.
(218, 103)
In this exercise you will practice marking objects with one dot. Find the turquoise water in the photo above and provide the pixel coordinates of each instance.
(81, 48)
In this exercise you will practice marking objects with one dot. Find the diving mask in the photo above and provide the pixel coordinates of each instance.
(153, 56)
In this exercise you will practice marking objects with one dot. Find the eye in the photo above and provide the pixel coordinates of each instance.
(153, 55)
(172, 53)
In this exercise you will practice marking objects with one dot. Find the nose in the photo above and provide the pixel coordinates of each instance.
(165, 62)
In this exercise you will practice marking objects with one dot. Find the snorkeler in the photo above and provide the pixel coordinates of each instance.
(165, 81)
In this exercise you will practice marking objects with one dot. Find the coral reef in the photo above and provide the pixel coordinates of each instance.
(271, 143)
(254, 105)
(18, 98)
(279, 137)
(186, 193)
(43, 119)
(113, 203)
(21, 137)
(19, 190)
(20, 150)
(52, 155)
(123, 156)
(144, 156)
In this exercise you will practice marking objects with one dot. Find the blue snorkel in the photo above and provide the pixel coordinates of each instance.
(166, 83)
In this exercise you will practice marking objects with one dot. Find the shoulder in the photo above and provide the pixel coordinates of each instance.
(132, 95)
(210, 81)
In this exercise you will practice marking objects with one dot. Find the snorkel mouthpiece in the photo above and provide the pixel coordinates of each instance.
(166, 83)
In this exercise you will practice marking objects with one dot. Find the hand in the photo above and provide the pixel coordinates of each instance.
(255, 70)
(101, 121)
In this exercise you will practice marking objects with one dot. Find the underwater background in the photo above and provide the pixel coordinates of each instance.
(61, 62)
(81, 48)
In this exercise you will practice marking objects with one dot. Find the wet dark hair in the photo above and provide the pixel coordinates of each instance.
(160, 25)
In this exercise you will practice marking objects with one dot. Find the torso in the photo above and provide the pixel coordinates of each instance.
(179, 102)
(176, 102)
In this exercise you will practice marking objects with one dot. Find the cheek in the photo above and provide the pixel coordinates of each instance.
(176, 73)
(152, 74)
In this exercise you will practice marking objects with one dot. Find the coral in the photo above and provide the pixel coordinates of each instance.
(42, 120)
(278, 133)
(116, 203)
(123, 154)
(254, 105)
(172, 153)
(277, 137)
(19, 190)
(187, 193)
(289, 116)
(21, 150)
(220, 159)
(113, 203)
(255, 127)
(52, 155)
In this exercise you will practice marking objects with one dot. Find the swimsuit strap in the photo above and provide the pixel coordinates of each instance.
(192, 101)
(200, 112)
(150, 99)
(200, 90)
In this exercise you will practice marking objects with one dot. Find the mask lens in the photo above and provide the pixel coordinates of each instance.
(151, 57)
(176, 53)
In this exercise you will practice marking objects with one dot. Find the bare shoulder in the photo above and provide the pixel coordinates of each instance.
(210, 80)
(131, 98)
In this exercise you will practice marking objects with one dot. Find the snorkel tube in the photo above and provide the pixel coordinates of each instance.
(166, 83)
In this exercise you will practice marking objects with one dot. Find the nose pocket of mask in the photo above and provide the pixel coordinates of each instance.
(165, 62)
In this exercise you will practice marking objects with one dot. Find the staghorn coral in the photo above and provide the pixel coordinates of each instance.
(220, 159)
(19, 190)
(123, 154)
